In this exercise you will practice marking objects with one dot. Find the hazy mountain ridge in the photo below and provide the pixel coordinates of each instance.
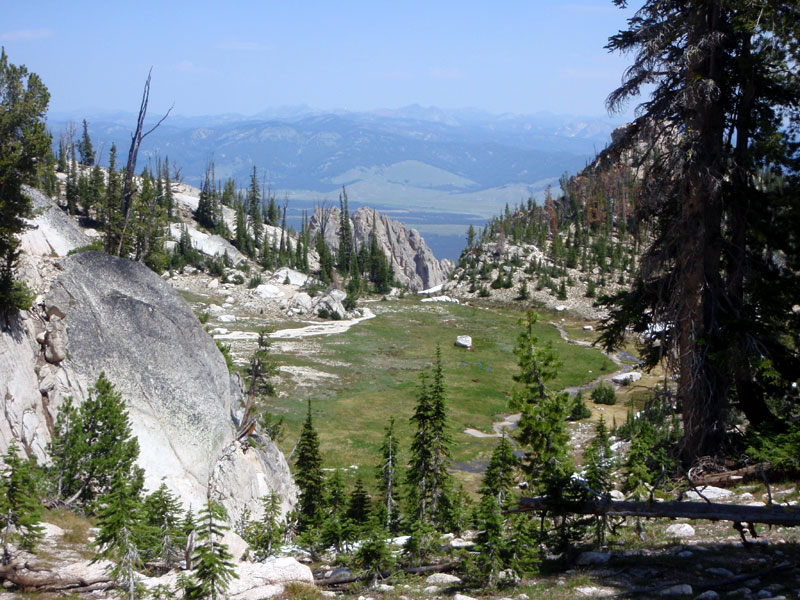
(302, 149)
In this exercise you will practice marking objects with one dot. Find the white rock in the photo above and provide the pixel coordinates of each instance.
(213, 284)
(52, 531)
(219, 331)
(215, 309)
(267, 579)
(616, 495)
(462, 597)
(227, 319)
(268, 291)
(710, 492)
(301, 303)
(464, 341)
(624, 378)
(680, 530)
(338, 295)
(442, 579)
(460, 543)
(431, 589)
(588, 328)
(561, 308)
(708, 595)
(236, 545)
(295, 277)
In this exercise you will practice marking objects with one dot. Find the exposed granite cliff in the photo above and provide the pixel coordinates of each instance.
(97, 313)
(413, 261)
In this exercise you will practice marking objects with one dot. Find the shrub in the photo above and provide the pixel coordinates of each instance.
(604, 394)
(254, 282)
(579, 409)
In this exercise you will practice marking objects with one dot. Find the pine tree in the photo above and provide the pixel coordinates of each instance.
(346, 250)
(374, 554)
(541, 432)
(163, 514)
(85, 147)
(308, 475)
(24, 142)
(95, 444)
(336, 529)
(427, 478)
(717, 198)
(264, 536)
(213, 567)
(499, 477)
(20, 511)
(122, 531)
(598, 465)
(389, 507)
(254, 210)
(359, 507)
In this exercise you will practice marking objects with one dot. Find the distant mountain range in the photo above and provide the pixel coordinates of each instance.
(414, 158)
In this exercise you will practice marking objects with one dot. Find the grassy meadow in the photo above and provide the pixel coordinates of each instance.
(376, 367)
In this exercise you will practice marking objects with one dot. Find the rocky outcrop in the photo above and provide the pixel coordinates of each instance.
(414, 262)
(104, 314)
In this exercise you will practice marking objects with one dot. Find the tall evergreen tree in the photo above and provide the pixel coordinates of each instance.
(122, 531)
(94, 445)
(428, 478)
(720, 203)
(542, 431)
(308, 475)
(24, 142)
(85, 147)
(164, 517)
(346, 249)
(214, 568)
(20, 511)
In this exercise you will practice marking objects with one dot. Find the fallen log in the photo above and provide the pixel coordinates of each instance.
(25, 577)
(731, 477)
(774, 514)
(440, 568)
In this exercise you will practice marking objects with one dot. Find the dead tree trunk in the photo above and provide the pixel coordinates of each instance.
(133, 153)
(788, 516)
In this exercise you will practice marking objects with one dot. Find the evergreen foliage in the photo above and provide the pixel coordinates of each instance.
(428, 478)
(213, 566)
(122, 531)
(20, 511)
(717, 142)
(264, 536)
(92, 445)
(308, 476)
(85, 147)
(24, 142)
(603, 393)
(164, 517)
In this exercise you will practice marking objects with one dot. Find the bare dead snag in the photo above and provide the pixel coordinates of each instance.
(133, 153)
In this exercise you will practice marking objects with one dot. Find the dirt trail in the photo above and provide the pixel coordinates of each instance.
(509, 422)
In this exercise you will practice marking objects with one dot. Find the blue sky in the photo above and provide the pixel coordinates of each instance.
(243, 57)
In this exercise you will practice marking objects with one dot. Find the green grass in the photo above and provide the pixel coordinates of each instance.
(384, 357)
